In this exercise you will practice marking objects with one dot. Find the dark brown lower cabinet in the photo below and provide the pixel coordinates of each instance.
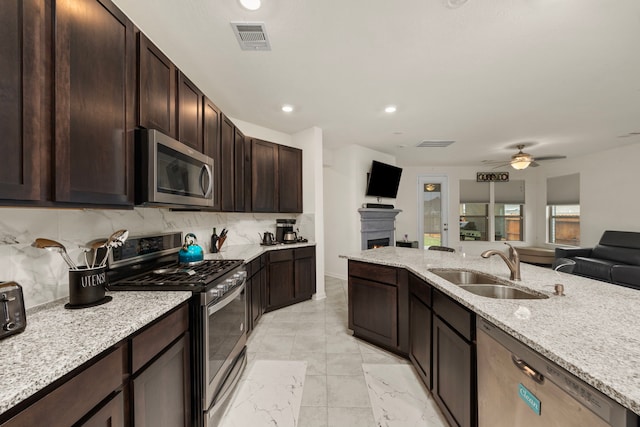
(454, 361)
(420, 338)
(420, 324)
(109, 415)
(256, 275)
(373, 311)
(290, 277)
(379, 305)
(161, 391)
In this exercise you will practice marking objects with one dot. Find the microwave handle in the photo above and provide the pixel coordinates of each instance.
(207, 169)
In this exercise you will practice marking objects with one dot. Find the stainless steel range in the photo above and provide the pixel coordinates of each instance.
(218, 312)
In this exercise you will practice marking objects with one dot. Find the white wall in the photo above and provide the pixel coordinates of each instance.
(310, 141)
(609, 195)
(345, 181)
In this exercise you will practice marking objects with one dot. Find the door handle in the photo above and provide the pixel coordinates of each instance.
(527, 370)
(207, 191)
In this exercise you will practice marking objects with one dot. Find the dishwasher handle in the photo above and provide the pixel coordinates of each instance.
(527, 370)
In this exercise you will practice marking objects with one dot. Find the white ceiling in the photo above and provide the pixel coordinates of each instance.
(561, 74)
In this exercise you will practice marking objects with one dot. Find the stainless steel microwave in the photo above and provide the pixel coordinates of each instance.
(170, 173)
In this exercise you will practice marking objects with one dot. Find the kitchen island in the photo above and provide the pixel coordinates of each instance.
(592, 331)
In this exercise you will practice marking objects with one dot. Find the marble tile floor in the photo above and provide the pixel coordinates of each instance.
(348, 382)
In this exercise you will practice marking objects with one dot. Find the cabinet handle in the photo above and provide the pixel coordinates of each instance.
(207, 192)
(527, 370)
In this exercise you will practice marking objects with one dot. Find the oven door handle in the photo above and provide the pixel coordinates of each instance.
(228, 298)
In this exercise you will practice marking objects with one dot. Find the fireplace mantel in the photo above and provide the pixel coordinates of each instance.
(377, 224)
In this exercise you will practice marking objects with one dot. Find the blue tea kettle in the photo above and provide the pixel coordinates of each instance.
(190, 253)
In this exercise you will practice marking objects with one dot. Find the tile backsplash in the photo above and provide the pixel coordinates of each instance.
(43, 274)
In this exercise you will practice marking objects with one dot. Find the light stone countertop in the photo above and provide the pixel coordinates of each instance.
(57, 340)
(593, 331)
(250, 252)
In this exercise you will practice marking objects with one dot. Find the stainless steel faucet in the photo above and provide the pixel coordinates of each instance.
(513, 262)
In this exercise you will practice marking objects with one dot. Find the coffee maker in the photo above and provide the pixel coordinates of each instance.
(282, 227)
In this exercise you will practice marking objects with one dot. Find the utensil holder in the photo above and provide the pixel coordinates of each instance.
(87, 286)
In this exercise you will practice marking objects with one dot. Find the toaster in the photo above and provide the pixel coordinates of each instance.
(13, 318)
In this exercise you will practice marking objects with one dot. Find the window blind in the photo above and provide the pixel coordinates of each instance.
(563, 190)
(511, 192)
(474, 192)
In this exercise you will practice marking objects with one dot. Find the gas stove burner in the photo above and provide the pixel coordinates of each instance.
(188, 271)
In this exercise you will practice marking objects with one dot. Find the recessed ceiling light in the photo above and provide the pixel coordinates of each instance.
(390, 109)
(251, 4)
(287, 108)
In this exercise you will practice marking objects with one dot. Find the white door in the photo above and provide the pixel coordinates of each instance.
(433, 215)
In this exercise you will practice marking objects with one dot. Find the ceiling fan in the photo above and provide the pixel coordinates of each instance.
(522, 160)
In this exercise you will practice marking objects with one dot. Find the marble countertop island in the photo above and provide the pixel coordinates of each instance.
(56, 340)
(593, 331)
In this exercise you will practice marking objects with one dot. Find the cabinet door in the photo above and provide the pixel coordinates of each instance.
(227, 163)
(305, 273)
(189, 113)
(156, 88)
(211, 134)
(161, 393)
(453, 375)
(256, 297)
(94, 99)
(23, 124)
(290, 179)
(420, 338)
(280, 288)
(239, 170)
(373, 311)
(264, 179)
(110, 415)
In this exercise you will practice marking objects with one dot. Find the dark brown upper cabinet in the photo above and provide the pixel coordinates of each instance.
(289, 179)
(94, 99)
(189, 113)
(156, 88)
(264, 179)
(227, 163)
(211, 134)
(23, 122)
(241, 154)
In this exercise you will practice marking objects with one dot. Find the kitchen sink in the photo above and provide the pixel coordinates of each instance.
(485, 285)
(501, 291)
(464, 277)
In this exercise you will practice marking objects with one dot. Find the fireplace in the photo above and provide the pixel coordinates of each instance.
(377, 243)
(378, 226)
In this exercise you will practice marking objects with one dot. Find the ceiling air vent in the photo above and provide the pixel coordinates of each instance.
(435, 143)
(251, 35)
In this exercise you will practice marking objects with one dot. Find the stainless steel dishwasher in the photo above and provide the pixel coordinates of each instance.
(518, 387)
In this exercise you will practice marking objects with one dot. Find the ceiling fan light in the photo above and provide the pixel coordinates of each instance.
(520, 163)
(251, 4)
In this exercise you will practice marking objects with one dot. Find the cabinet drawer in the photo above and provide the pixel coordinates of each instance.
(457, 316)
(281, 255)
(309, 252)
(420, 288)
(152, 340)
(70, 402)
(379, 273)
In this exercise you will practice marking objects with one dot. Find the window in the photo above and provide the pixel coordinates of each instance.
(564, 224)
(474, 210)
(474, 221)
(508, 222)
(563, 210)
(504, 212)
(508, 211)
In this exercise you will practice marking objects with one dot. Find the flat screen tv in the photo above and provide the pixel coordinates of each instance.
(383, 180)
